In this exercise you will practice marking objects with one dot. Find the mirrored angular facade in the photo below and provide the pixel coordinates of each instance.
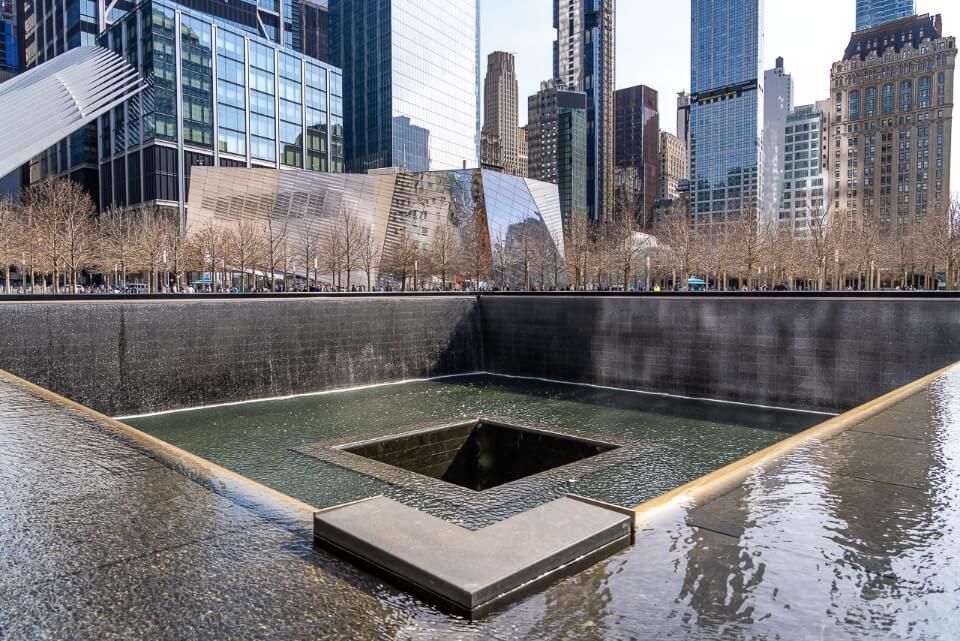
(412, 91)
(726, 108)
(220, 96)
(497, 217)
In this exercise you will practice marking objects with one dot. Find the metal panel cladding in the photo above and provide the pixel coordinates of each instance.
(46, 104)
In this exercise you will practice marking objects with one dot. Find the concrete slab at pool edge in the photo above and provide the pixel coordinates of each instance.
(296, 515)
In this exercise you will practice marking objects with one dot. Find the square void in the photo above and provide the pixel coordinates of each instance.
(480, 454)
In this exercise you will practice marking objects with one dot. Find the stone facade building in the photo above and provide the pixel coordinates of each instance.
(523, 152)
(673, 166)
(500, 118)
(890, 121)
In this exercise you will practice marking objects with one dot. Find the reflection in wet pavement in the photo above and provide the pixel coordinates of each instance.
(855, 537)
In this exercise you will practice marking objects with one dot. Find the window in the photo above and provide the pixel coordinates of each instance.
(906, 95)
(923, 100)
(853, 105)
(871, 102)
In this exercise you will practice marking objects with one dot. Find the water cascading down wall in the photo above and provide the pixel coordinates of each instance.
(136, 355)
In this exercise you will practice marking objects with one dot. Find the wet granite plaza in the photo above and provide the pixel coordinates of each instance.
(848, 530)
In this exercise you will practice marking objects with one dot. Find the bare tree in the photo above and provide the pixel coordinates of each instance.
(308, 252)
(370, 252)
(402, 261)
(444, 251)
(331, 253)
(476, 249)
(824, 241)
(677, 242)
(578, 251)
(208, 248)
(748, 236)
(60, 214)
(115, 232)
(275, 248)
(244, 249)
(351, 231)
(941, 239)
(9, 229)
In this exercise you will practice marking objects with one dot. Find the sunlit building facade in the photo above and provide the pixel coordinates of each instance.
(412, 91)
(890, 123)
(726, 109)
(803, 191)
(493, 215)
(220, 96)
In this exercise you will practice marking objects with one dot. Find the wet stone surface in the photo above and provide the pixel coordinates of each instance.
(809, 548)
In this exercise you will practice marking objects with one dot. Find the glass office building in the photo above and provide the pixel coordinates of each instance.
(220, 96)
(412, 96)
(726, 108)
(872, 13)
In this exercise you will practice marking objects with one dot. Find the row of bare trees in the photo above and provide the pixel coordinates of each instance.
(54, 236)
(835, 250)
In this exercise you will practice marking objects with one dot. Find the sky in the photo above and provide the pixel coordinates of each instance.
(653, 45)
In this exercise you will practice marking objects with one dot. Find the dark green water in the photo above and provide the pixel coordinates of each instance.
(686, 438)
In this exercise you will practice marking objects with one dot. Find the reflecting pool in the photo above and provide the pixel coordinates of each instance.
(668, 441)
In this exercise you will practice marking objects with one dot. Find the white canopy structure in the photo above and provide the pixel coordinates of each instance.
(46, 104)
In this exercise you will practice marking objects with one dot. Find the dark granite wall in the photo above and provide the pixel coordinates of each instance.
(793, 352)
(124, 357)
(133, 357)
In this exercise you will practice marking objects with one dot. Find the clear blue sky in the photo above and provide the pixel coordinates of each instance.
(653, 45)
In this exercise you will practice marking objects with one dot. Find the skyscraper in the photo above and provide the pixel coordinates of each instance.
(777, 104)
(637, 141)
(558, 144)
(583, 60)
(726, 108)
(411, 72)
(871, 13)
(500, 118)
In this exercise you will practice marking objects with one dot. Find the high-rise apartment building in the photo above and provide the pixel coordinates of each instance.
(500, 113)
(523, 152)
(583, 60)
(777, 105)
(9, 47)
(803, 190)
(726, 108)
(673, 166)
(558, 144)
(890, 121)
(412, 82)
(637, 127)
(873, 13)
(220, 96)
